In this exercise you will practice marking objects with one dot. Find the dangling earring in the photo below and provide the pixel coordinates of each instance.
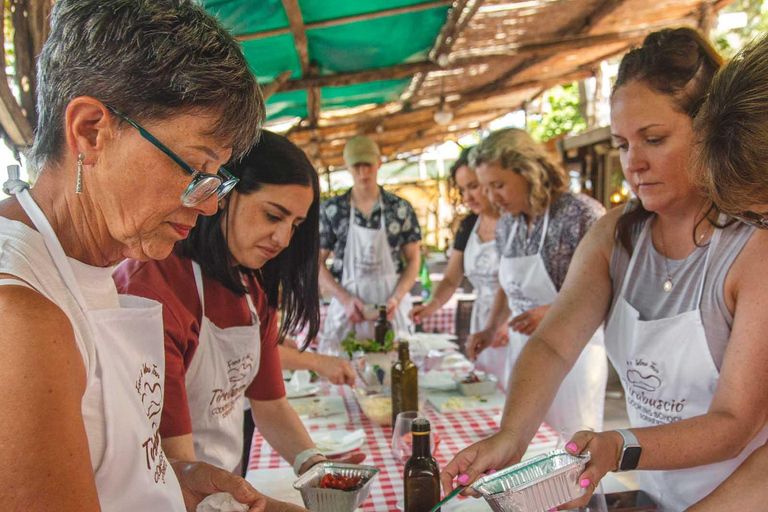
(79, 185)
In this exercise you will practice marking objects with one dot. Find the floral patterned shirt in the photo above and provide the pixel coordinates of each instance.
(400, 219)
(570, 217)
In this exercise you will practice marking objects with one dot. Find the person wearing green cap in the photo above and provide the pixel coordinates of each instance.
(374, 236)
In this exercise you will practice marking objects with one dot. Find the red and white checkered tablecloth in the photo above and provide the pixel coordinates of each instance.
(443, 321)
(456, 430)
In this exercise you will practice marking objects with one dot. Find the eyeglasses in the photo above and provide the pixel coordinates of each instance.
(203, 185)
(758, 220)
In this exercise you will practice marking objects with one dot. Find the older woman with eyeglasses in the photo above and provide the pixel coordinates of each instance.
(83, 368)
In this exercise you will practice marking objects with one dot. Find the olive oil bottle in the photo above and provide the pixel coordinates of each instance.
(421, 479)
(405, 383)
(381, 327)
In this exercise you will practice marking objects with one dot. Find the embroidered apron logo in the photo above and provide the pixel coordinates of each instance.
(642, 381)
(240, 369)
(223, 402)
(149, 387)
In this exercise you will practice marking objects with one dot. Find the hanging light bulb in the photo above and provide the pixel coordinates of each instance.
(443, 115)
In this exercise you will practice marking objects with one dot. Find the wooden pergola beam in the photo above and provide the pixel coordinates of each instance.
(543, 47)
(458, 19)
(721, 4)
(454, 27)
(349, 19)
(276, 85)
(299, 32)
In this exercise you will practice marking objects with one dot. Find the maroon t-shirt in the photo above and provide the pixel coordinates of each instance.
(172, 283)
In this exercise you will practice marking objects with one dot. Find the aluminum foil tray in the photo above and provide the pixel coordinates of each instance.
(538, 484)
(334, 500)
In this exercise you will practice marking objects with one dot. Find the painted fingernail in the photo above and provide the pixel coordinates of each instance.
(572, 446)
(552, 510)
(584, 483)
(491, 471)
(463, 479)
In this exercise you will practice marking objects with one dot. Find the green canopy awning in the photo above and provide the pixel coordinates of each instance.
(354, 46)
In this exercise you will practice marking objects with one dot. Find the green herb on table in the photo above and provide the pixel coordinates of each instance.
(351, 344)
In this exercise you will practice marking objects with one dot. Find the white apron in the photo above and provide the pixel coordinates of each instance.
(224, 365)
(481, 267)
(580, 401)
(368, 274)
(668, 375)
(134, 473)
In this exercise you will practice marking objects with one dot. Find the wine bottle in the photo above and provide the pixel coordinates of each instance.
(381, 327)
(426, 281)
(421, 478)
(405, 383)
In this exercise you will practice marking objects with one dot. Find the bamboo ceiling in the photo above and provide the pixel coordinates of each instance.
(490, 58)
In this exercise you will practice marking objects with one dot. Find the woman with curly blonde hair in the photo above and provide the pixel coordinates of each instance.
(536, 238)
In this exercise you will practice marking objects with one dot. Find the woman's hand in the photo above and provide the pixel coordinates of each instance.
(478, 342)
(199, 480)
(392, 304)
(419, 313)
(353, 307)
(604, 448)
(335, 369)
(496, 452)
(528, 321)
(501, 336)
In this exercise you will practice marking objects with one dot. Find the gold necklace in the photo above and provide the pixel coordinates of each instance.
(669, 282)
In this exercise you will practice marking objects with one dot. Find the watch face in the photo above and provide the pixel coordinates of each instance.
(631, 458)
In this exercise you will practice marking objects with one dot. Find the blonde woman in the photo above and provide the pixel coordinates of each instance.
(476, 257)
(735, 116)
(536, 238)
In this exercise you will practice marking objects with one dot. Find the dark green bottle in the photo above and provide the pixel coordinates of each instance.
(421, 478)
(381, 327)
(405, 383)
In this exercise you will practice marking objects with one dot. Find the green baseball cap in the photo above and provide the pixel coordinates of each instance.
(361, 149)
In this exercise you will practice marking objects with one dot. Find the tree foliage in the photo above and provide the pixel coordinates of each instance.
(560, 114)
(731, 41)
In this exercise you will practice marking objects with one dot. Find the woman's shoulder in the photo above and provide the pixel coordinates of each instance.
(571, 204)
(468, 222)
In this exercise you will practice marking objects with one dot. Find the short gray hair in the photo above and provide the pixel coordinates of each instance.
(515, 150)
(151, 59)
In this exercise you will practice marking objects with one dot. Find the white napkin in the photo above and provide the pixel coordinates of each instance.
(437, 379)
(299, 381)
(330, 441)
(221, 502)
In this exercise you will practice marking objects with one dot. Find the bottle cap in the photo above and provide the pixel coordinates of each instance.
(420, 426)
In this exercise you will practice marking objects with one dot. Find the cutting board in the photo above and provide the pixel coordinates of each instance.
(451, 401)
(320, 411)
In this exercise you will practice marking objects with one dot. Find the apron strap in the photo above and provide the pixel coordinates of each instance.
(52, 243)
(544, 231)
(713, 243)
(199, 283)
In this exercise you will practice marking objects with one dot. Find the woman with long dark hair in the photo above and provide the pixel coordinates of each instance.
(222, 289)
(683, 305)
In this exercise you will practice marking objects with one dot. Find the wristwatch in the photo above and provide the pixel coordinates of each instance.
(630, 452)
(303, 457)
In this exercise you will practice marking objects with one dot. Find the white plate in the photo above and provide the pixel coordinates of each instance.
(298, 393)
(336, 442)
